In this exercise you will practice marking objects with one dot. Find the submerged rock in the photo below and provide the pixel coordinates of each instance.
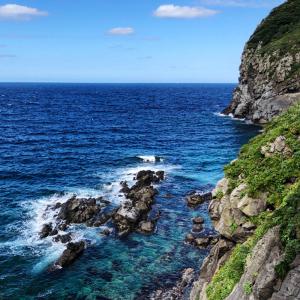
(177, 292)
(198, 220)
(65, 238)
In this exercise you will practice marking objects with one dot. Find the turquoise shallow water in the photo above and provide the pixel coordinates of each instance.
(57, 140)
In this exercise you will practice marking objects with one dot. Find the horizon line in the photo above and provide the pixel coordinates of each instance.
(70, 82)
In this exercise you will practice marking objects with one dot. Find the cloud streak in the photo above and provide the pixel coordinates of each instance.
(7, 56)
(121, 31)
(19, 12)
(183, 12)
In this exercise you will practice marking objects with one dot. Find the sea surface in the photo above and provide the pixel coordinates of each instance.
(57, 140)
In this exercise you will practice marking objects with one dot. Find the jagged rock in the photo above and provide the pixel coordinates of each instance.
(216, 258)
(65, 238)
(228, 218)
(279, 146)
(259, 274)
(196, 199)
(146, 226)
(253, 206)
(73, 251)
(46, 231)
(140, 198)
(77, 210)
(290, 287)
(222, 186)
(100, 219)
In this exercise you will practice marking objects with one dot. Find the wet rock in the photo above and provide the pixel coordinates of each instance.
(53, 232)
(132, 214)
(125, 188)
(65, 238)
(46, 230)
(73, 251)
(202, 242)
(77, 210)
(196, 199)
(105, 232)
(146, 226)
(198, 220)
(100, 219)
(189, 238)
(197, 228)
(160, 175)
(62, 226)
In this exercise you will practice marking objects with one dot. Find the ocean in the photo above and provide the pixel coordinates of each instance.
(57, 140)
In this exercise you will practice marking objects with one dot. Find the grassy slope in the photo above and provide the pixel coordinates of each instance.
(280, 177)
(280, 30)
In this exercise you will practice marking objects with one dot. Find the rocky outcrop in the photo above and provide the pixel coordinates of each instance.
(195, 199)
(259, 278)
(230, 212)
(73, 251)
(131, 215)
(216, 258)
(279, 147)
(269, 73)
(290, 287)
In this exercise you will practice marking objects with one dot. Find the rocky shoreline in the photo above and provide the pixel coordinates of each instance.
(132, 215)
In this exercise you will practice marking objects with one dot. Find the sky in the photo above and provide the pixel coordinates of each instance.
(109, 41)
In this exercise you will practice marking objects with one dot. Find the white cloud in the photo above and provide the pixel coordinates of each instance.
(121, 31)
(183, 12)
(19, 12)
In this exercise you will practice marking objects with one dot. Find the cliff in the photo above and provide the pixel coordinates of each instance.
(256, 210)
(270, 70)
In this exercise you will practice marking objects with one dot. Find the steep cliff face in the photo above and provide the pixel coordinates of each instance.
(270, 70)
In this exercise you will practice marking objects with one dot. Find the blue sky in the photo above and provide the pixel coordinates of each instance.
(126, 40)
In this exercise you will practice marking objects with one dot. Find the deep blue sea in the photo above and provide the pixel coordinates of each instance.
(62, 139)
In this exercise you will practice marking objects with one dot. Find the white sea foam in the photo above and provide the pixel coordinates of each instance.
(231, 116)
(40, 211)
(150, 158)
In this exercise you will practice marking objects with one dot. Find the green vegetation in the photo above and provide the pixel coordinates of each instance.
(219, 195)
(247, 288)
(279, 176)
(280, 30)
